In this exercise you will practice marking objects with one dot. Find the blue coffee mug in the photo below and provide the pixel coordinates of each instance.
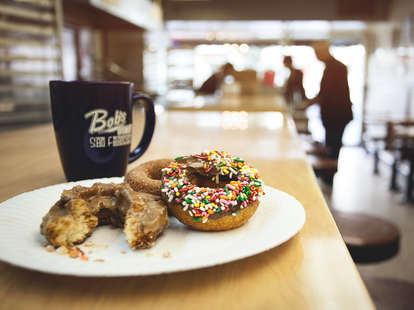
(93, 127)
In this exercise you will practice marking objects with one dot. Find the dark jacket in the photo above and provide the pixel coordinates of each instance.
(333, 97)
(294, 84)
(210, 86)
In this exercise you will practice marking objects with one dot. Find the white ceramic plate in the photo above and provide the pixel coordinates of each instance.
(278, 218)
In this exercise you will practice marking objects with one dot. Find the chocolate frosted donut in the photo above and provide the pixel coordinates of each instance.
(211, 190)
(147, 176)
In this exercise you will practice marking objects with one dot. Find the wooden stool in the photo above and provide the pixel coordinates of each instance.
(391, 293)
(368, 238)
(324, 167)
(371, 239)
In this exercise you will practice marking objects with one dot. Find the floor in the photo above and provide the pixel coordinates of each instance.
(356, 188)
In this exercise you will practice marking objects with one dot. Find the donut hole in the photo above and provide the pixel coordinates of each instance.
(154, 174)
(206, 181)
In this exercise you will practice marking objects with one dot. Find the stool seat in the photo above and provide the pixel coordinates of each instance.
(323, 165)
(316, 149)
(368, 238)
(390, 293)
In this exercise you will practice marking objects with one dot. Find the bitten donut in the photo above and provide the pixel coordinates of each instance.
(147, 176)
(81, 209)
(211, 191)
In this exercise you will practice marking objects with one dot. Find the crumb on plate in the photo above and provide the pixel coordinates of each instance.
(74, 253)
(62, 250)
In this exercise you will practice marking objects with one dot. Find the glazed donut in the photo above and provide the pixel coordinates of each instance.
(211, 191)
(147, 176)
(81, 209)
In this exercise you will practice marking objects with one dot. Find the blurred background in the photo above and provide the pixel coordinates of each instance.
(169, 48)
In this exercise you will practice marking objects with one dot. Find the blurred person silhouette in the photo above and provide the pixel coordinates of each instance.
(213, 83)
(333, 99)
(294, 91)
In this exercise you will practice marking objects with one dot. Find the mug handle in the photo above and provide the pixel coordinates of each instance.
(148, 128)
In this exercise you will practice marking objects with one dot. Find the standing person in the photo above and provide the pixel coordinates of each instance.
(294, 91)
(333, 99)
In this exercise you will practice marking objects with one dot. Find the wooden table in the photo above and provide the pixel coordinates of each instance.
(399, 144)
(313, 270)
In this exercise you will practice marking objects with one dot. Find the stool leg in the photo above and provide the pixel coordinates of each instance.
(394, 171)
(376, 161)
(409, 185)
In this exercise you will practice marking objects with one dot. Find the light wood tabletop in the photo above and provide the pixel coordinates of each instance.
(313, 270)
(260, 102)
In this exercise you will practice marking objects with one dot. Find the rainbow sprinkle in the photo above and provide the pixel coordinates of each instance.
(244, 186)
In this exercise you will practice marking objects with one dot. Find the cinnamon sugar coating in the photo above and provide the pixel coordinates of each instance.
(147, 176)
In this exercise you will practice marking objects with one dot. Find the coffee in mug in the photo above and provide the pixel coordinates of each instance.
(93, 127)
